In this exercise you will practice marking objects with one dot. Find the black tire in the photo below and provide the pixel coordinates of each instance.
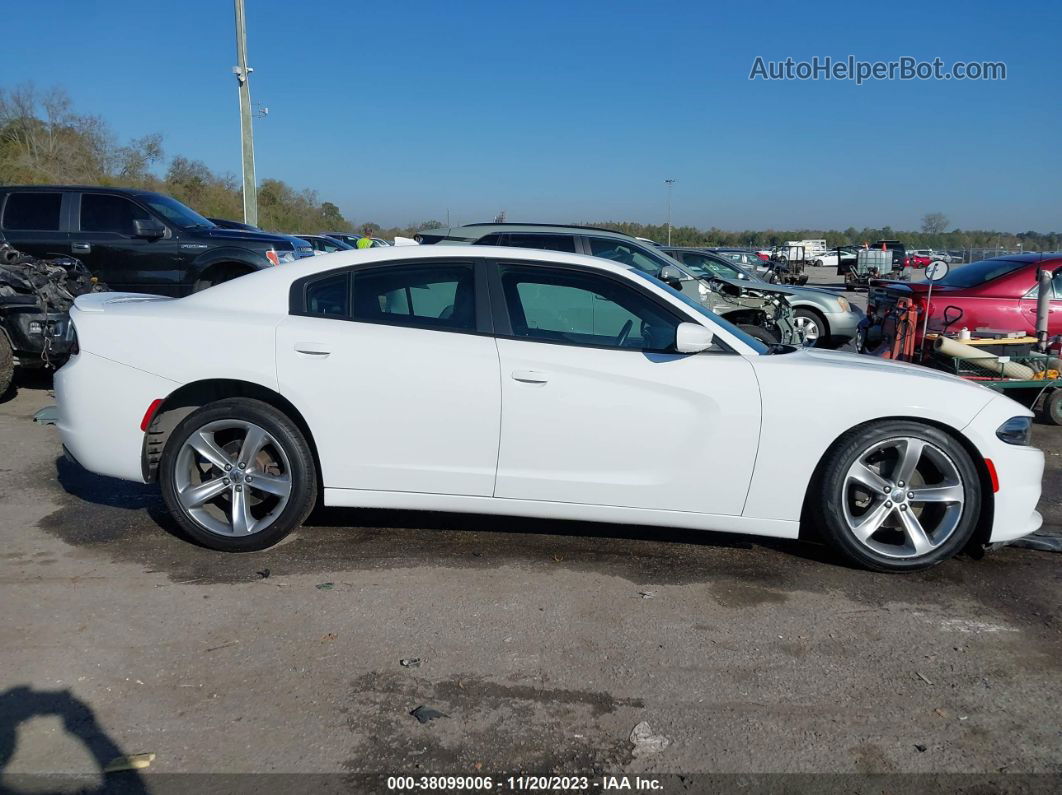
(828, 511)
(817, 263)
(7, 365)
(760, 333)
(1052, 410)
(821, 326)
(302, 475)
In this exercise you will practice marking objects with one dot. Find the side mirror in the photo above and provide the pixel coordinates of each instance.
(149, 228)
(672, 276)
(692, 338)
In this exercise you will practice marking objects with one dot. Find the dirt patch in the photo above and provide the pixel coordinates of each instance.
(489, 727)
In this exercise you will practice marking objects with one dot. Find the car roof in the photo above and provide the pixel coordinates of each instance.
(94, 188)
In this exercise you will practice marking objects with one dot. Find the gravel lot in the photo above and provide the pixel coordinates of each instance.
(544, 643)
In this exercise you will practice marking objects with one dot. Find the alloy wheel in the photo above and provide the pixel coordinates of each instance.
(903, 497)
(808, 327)
(232, 477)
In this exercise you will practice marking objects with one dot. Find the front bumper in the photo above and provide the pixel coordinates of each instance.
(844, 324)
(1019, 469)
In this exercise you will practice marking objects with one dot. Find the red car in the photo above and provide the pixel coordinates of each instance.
(997, 294)
(915, 261)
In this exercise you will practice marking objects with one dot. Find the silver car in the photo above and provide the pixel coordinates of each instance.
(823, 315)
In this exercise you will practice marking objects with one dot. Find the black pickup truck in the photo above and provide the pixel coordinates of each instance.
(134, 240)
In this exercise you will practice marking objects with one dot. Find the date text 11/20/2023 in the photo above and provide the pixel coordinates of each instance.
(523, 783)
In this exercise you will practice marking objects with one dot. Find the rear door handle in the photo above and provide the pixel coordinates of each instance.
(530, 376)
(312, 350)
(81, 248)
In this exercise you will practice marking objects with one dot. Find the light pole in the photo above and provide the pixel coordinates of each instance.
(243, 72)
(669, 183)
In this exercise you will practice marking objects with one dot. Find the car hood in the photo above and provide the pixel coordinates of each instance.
(243, 236)
(867, 363)
(748, 284)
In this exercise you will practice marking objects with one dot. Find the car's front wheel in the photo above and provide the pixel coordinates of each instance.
(899, 496)
(810, 324)
(238, 475)
(759, 332)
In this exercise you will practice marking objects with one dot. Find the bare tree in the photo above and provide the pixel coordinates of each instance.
(934, 223)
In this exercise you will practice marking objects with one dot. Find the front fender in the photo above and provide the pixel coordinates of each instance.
(227, 254)
(811, 397)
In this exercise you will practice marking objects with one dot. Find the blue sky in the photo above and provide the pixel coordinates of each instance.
(565, 111)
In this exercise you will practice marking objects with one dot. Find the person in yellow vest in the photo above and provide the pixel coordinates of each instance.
(365, 241)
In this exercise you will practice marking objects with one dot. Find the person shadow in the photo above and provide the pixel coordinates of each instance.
(22, 703)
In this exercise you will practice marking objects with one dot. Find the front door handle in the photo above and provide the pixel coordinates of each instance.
(312, 350)
(530, 376)
(81, 248)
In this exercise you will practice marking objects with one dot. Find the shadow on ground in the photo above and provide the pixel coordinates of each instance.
(18, 705)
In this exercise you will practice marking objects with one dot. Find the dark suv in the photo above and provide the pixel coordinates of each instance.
(134, 240)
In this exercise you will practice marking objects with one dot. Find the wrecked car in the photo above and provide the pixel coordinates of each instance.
(760, 311)
(35, 297)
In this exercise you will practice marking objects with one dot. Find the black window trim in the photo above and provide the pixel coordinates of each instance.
(503, 324)
(484, 320)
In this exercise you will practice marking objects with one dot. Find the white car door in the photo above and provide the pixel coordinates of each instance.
(392, 373)
(596, 410)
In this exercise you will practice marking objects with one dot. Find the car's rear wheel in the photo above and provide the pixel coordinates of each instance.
(760, 333)
(899, 496)
(238, 475)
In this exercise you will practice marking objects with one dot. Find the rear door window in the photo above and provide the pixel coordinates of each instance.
(423, 296)
(37, 212)
(329, 296)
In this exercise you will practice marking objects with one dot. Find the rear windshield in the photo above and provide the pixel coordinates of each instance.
(980, 272)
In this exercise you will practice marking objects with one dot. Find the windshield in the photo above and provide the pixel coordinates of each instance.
(633, 254)
(177, 214)
(752, 342)
(980, 272)
(706, 266)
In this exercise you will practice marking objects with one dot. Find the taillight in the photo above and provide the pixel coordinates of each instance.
(271, 255)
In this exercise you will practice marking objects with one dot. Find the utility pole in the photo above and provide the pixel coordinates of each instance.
(243, 72)
(669, 183)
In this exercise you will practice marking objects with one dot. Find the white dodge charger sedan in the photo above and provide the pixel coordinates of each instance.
(529, 383)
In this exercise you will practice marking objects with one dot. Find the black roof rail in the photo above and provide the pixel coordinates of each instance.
(562, 226)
